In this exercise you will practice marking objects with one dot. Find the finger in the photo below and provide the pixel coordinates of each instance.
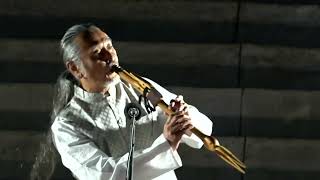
(183, 119)
(183, 107)
(175, 128)
(186, 122)
(179, 98)
(180, 121)
(179, 102)
(168, 120)
(181, 124)
(176, 103)
(186, 128)
(172, 101)
(178, 114)
(182, 131)
(180, 128)
(172, 119)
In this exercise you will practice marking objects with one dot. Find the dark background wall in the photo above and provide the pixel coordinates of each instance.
(252, 66)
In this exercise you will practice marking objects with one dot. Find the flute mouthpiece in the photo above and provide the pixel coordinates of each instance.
(116, 68)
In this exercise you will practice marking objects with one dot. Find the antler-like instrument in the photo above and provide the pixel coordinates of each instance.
(210, 142)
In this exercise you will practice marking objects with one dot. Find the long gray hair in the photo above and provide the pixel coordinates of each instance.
(47, 157)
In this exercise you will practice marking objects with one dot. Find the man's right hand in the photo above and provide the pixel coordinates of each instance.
(177, 124)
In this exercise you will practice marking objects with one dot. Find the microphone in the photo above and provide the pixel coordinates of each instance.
(133, 110)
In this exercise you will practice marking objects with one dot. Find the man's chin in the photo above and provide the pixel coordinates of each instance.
(112, 76)
(112, 79)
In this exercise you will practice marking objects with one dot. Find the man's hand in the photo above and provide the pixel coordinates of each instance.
(178, 123)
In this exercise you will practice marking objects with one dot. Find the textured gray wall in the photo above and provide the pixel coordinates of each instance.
(252, 66)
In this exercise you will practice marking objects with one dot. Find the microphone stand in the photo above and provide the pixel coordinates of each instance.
(133, 112)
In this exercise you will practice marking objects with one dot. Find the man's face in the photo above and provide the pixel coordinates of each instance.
(97, 54)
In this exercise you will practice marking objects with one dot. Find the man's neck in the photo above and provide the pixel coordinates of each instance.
(95, 88)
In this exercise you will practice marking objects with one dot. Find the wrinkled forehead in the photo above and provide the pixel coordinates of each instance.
(93, 37)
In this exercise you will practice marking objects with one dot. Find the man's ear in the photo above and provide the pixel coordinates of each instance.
(74, 70)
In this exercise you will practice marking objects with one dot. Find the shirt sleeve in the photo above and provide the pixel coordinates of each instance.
(201, 122)
(86, 161)
(198, 119)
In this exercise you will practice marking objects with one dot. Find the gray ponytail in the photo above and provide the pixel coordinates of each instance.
(63, 92)
(47, 157)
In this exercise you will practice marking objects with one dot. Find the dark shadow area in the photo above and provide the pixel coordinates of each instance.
(280, 34)
(292, 2)
(273, 128)
(28, 27)
(266, 174)
(11, 170)
(207, 173)
(281, 78)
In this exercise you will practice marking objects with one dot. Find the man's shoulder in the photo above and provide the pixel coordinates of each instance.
(72, 110)
(67, 113)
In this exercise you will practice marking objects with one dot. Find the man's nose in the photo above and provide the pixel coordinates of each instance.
(105, 53)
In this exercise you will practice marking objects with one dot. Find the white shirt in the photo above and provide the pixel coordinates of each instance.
(92, 136)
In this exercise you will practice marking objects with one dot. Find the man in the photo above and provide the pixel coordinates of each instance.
(90, 130)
